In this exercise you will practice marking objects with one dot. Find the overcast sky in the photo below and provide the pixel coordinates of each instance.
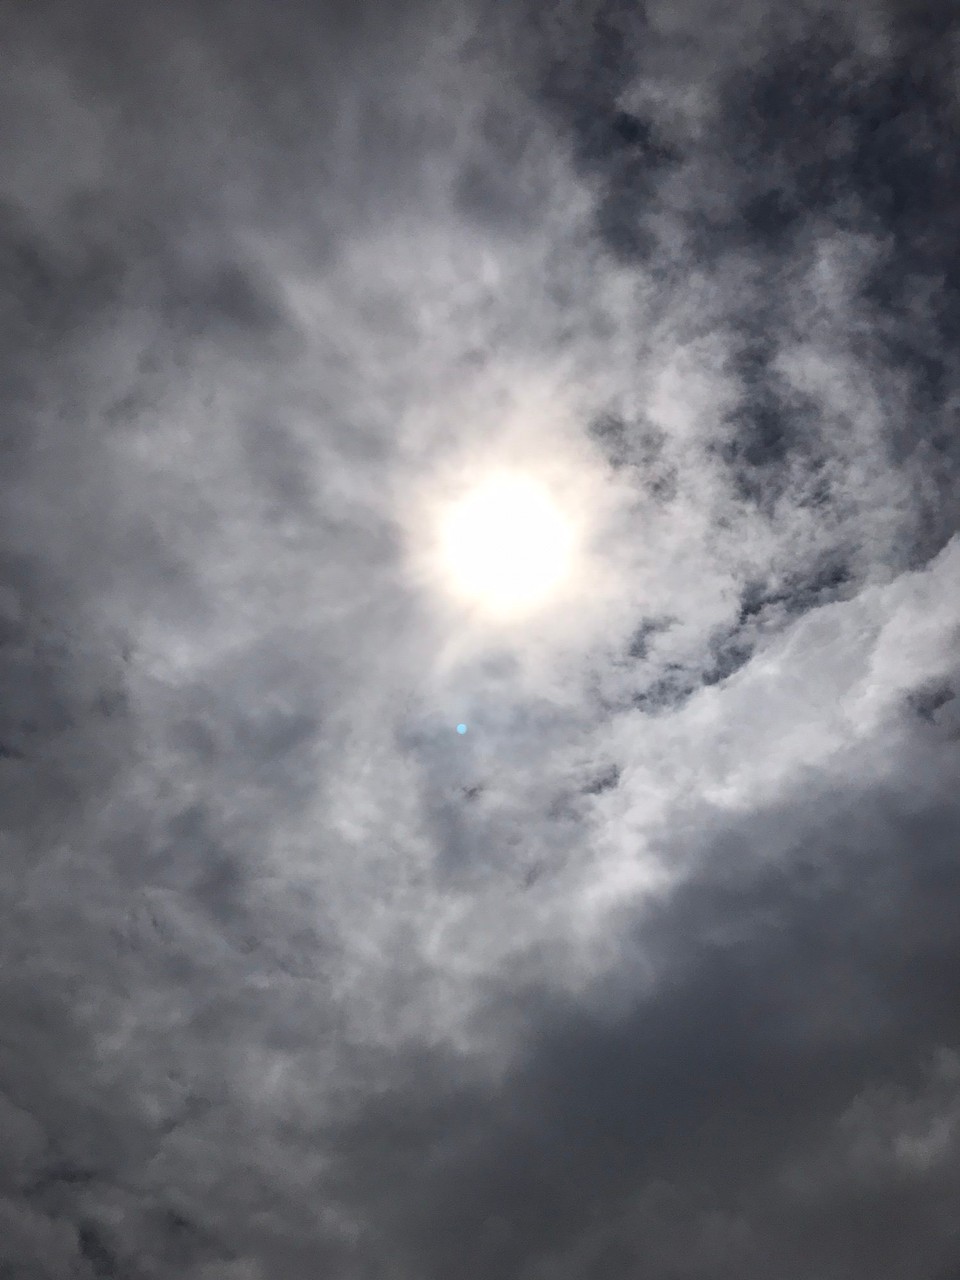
(654, 972)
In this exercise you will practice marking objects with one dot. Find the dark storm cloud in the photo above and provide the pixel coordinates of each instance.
(652, 970)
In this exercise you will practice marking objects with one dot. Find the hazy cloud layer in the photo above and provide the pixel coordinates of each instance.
(654, 971)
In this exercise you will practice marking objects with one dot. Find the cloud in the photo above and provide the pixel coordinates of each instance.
(652, 969)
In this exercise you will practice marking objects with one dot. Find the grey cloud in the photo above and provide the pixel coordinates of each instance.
(654, 968)
(692, 1119)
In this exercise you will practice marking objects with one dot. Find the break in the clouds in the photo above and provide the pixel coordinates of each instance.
(654, 969)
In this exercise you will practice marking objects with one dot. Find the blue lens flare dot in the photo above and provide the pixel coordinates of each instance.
(461, 728)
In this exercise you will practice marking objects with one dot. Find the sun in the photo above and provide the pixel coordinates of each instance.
(506, 547)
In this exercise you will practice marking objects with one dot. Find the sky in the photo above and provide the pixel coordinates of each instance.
(654, 970)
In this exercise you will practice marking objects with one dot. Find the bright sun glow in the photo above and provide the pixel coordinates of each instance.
(506, 546)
